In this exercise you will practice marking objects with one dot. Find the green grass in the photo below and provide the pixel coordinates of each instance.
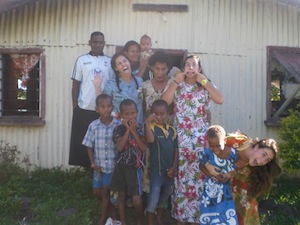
(286, 196)
(48, 192)
(52, 190)
(64, 197)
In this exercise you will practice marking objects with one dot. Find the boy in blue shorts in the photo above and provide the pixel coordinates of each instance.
(102, 152)
(127, 175)
(163, 159)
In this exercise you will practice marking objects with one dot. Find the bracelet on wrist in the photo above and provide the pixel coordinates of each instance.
(204, 82)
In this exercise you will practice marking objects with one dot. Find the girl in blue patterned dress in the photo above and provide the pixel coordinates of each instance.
(217, 205)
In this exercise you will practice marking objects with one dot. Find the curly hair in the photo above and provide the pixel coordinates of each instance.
(161, 57)
(216, 131)
(261, 178)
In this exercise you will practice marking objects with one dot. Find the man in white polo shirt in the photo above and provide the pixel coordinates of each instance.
(87, 67)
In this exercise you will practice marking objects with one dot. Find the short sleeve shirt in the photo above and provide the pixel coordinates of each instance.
(162, 149)
(131, 154)
(86, 68)
(132, 90)
(99, 138)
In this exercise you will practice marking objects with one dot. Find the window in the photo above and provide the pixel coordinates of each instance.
(283, 82)
(22, 86)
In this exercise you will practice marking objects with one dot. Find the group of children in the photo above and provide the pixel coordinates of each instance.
(108, 138)
(125, 140)
(117, 140)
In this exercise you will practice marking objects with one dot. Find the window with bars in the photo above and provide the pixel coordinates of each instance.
(22, 84)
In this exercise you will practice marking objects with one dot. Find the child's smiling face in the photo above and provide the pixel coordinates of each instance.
(216, 145)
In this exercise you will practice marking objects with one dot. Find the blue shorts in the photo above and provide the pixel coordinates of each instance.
(100, 181)
(161, 188)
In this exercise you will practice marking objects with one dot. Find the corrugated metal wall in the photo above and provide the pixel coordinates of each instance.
(230, 36)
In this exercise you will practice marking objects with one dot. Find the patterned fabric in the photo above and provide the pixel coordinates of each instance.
(192, 117)
(150, 95)
(217, 206)
(238, 140)
(131, 155)
(99, 138)
(25, 63)
(132, 90)
(247, 209)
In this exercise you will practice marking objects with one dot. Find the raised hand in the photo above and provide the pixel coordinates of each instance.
(179, 78)
(97, 81)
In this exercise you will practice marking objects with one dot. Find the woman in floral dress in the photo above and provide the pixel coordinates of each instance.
(191, 93)
(257, 168)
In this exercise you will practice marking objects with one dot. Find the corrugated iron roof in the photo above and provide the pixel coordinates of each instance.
(6, 5)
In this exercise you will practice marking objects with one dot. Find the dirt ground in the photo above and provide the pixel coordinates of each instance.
(168, 220)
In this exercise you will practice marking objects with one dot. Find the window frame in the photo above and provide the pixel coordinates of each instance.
(29, 120)
(271, 51)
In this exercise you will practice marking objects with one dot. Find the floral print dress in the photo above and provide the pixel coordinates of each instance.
(192, 117)
(246, 208)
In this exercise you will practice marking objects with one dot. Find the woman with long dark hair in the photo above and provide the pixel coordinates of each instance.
(257, 167)
(125, 85)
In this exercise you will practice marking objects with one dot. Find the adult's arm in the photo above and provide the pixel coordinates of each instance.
(143, 66)
(75, 92)
(204, 170)
(98, 79)
(214, 93)
(168, 95)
